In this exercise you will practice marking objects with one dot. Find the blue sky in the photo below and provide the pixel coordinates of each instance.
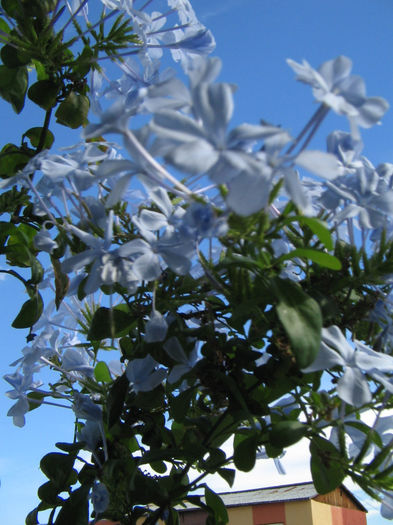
(254, 39)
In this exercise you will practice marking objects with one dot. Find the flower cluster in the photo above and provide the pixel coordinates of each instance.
(208, 281)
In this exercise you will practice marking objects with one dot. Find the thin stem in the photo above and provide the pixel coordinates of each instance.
(167, 29)
(42, 402)
(15, 274)
(351, 233)
(88, 30)
(45, 207)
(72, 17)
(315, 128)
(315, 117)
(136, 149)
(44, 131)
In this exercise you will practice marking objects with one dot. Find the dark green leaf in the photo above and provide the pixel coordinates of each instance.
(108, 323)
(228, 474)
(12, 159)
(35, 400)
(13, 58)
(11, 7)
(76, 509)
(327, 465)
(116, 397)
(37, 271)
(215, 503)
(181, 403)
(48, 493)
(62, 281)
(32, 517)
(286, 433)
(245, 452)
(70, 448)
(34, 135)
(73, 111)
(13, 86)
(44, 93)
(301, 319)
(29, 313)
(58, 468)
(158, 466)
(10, 200)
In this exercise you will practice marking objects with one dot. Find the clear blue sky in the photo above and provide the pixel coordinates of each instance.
(254, 38)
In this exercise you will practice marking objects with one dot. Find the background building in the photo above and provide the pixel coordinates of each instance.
(298, 504)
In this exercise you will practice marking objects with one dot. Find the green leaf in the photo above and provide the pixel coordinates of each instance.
(320, 229)
(11, 199)
(116, 397)
(11, 7)
(14, 58)
(37, 271)
(286, 433)
(327, 465)
(181, 403)
(215, 503)
(70, 448)
(48, 493)
(101, 372)
(12, 159)
(62, 281)
(108, 323)
(35, 400)
(4, 28)
(301, 319)
(228, 474)
(44, 93)
(245, 452)
(73, 111)
(34, 135)
(58, 468)
(13, 86)
(322, 258)
(29, 313)
(76, 509)
(32, 517)
(158, 466)
(40, 70)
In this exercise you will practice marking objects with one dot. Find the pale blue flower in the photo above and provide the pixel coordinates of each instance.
(77, 360)
(21, 384)
(185, 362)
(100, 497)
(44, 242)
(90, 434)
(109, 265)
(145, 374)
(201, 143)
(85, 408)
(352, 386)
(334, 86)
(156, 328)
(361, 193)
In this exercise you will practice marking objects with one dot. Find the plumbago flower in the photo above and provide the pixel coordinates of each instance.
(335, 87)
(352, 387)
(201, 285)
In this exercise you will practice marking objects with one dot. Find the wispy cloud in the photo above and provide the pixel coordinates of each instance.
(217, 10)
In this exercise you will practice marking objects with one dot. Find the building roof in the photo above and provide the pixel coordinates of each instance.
(298, 491)
(277, 494)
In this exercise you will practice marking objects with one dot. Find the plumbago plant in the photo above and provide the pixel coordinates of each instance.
(203, 283)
